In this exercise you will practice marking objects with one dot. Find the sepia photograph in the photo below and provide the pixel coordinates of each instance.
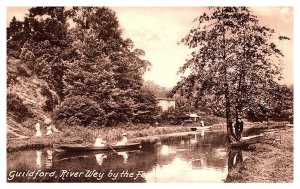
(172, 94)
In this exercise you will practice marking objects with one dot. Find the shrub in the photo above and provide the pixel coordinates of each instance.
(211, 120)
(51, 99)
(22, 70)
(17, 109)
(82, 111)
(13, 53)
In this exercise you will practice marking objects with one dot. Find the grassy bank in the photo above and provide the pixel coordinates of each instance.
(83, 135)
(268, 163)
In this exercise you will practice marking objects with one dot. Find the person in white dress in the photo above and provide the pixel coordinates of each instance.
(99, 142)
(49, 130)
(123, 141)
(202, 123)
(38, 129)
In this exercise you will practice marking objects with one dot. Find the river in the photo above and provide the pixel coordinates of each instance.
(189, 158)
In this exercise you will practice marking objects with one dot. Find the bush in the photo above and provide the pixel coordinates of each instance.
(80, 110)
(52, 99)
(17, 109)
(22, 70)
(211, 120)
(13, 53)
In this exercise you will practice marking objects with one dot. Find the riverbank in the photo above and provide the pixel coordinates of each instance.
(270, 162)
(81, 135)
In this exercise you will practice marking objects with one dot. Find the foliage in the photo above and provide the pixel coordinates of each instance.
(233, 64)
(88, 60)
(80, 110)
(105, 67)
(159, 92)
(22, 70)
(17, 108)
(171, 116)
(52, 99)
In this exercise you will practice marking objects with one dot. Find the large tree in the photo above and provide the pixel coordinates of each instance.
(234, 63)
(106, 68)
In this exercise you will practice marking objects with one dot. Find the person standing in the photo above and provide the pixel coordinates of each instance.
(38, 129)
(202, 123)
(49, 130)
(238, 127)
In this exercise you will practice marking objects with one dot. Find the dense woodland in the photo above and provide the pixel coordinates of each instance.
(80, 53)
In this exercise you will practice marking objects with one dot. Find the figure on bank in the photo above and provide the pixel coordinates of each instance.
(49, 130)
(238, 127)
(124, 140)
(202, 123)
(38, 128)
(99, 141)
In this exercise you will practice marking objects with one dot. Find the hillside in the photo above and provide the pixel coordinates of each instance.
(28, 98)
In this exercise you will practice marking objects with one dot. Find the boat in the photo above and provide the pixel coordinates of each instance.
(80, 147)
(200, 128)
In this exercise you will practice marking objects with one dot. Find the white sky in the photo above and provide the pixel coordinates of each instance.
(157, 31)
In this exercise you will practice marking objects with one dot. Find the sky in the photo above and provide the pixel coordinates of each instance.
(157, 30)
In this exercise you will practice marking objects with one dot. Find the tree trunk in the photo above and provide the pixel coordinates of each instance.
(230, 134)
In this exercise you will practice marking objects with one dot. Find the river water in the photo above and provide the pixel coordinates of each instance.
(189, 158)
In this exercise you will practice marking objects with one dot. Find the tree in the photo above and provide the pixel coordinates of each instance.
(105, 67)
(233, 64)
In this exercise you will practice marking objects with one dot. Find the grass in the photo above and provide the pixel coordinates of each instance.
(77, 134)
(269, 163)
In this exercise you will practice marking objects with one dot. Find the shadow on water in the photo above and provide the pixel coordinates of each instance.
(198, 157)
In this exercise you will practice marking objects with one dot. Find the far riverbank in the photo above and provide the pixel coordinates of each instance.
(83, 135)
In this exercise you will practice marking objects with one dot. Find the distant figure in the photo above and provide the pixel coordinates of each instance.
(124, 140)
(202, 123)
(99, 142)
(38, 129)
(49, 130)
(238, 127)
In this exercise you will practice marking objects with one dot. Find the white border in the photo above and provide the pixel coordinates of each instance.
(153, 3)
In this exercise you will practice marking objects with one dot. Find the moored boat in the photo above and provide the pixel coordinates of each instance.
(200, 128)
(80, 147)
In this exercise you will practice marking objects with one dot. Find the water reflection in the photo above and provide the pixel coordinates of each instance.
(203, 132)
(49, 161)
(235, 158)
(124, 155)
(170, 159)
(194, 140)
(38, 161)
(100, 157)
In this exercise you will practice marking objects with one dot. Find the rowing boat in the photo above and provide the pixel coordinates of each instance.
(200, 128)
(80, 147)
